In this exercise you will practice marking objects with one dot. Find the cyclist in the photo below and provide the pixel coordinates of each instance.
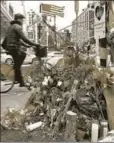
(14, 39)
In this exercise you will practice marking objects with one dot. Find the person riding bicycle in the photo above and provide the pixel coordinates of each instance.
(14, 39)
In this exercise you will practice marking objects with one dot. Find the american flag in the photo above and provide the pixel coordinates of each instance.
(53, 10)
(53, 13)
(57, 10)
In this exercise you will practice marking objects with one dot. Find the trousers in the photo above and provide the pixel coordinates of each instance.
(18, 58)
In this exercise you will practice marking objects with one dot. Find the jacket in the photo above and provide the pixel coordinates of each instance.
(15, 36)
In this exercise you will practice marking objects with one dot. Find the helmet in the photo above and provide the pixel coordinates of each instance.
(19, 16)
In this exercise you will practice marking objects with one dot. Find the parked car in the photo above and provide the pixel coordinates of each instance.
(55, 54)
(5, 58)
(53, 61)
(55, 57)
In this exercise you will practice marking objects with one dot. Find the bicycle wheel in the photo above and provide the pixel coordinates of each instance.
(6, 78)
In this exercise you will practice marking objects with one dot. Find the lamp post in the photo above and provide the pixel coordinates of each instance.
(55, 41)
(76, 7)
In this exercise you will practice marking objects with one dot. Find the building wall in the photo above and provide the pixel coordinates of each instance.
(62, 39)
(44, 34)
(85, 27)
(6, 16)
(31, 27)
(34, 28)
(73, 33)
(30, 16)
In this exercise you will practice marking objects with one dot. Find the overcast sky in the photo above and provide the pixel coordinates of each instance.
(61, 22)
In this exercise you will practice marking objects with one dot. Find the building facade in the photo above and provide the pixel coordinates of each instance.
(30, 17)
(64, 38)
(6, 15)
(37, 29)
(84, 24)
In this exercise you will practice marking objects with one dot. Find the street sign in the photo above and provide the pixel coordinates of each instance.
(100, 21)
(52, 10)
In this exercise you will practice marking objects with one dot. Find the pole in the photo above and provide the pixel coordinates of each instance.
(76, 29)
(110, 25)
(47, 36)
(39, 35)
(97, 52)
(47, 30)
(39, 29)
(55, 32)
(76, 8)
(103, 44)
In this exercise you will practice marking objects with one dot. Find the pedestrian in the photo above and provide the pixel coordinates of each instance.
(14, 39)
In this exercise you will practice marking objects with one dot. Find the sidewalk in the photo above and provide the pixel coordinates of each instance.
(16, 99)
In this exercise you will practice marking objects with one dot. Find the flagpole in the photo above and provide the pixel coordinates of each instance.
(55, 32)
(76, 8)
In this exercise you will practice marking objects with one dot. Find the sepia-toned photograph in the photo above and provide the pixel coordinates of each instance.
(57, 71)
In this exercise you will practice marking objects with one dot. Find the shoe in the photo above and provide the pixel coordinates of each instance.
(22, 85)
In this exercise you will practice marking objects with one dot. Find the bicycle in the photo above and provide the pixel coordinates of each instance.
(7, 73)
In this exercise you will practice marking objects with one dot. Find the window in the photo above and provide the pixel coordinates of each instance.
(30, 35)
